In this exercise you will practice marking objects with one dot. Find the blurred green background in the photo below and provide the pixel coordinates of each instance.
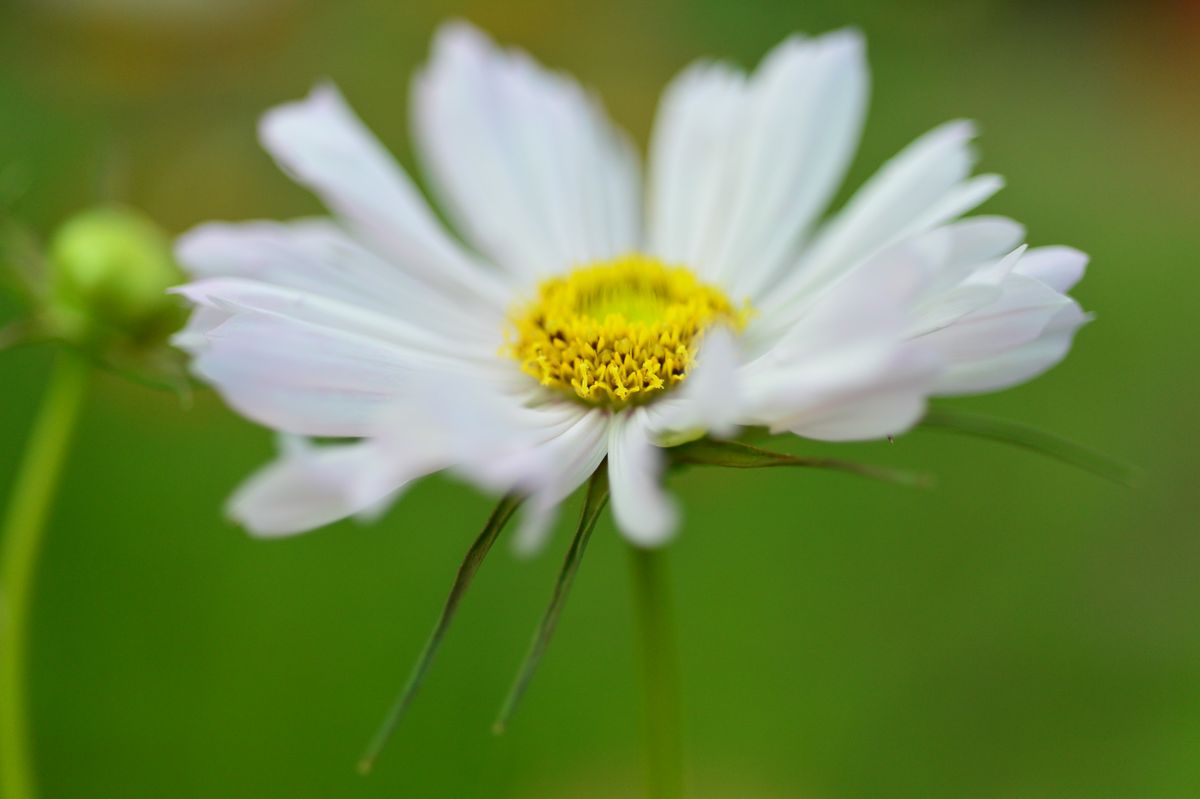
(1025, 630)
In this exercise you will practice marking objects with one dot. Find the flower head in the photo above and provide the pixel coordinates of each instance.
(618, 332)
(576, 329)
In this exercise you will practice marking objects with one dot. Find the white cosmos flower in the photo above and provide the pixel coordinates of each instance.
(561, 332)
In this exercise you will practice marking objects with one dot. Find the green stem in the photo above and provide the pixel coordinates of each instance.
(23, 527)
(660, 674)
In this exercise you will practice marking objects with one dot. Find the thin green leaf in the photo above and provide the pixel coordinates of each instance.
(471, 563)
(737, 455)
(597, 496)
(1032, 439)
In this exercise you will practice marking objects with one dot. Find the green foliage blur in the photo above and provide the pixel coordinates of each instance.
(1024, 630)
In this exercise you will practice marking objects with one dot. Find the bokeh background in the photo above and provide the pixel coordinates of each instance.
(1024, 630)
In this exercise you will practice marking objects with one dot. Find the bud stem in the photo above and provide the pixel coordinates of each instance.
(23, 526)
(660, 673)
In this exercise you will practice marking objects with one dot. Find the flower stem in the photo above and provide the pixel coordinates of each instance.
(23, 526)
(660, 674)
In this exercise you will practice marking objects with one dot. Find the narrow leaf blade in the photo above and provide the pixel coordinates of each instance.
(1030, 438)
(739, 455)
(466, 572)
(597, 497)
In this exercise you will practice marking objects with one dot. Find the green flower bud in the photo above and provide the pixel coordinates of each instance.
(110, 269)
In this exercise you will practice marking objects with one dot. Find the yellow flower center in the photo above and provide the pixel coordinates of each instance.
(617, 332)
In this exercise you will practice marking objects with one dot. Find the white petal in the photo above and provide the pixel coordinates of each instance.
(525, 161)
(741, 168)
(959, 200)
(948, 258)
(1058, 267)
(709, 401)
(643, 511)
(924, 186)
(917, 179)
(1018, 364)
(957, 249)
(500, 439)
(846, 370)
(416, 344)
(496, 439)
(297, 378)
(1024, 329)
(545, 452)
(1021, 312)
(308, 487)
(504, 442)
(571, 457)
(961, 280)
(697, 123)
(534, 525)
(313, 366)
(866, 303)
(322, 144)
(882, 394)
(318, 257)
(871, 390)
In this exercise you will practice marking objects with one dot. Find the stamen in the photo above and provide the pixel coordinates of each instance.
(618, 332)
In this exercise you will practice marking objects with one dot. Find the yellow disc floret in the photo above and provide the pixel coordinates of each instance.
(617, 332)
